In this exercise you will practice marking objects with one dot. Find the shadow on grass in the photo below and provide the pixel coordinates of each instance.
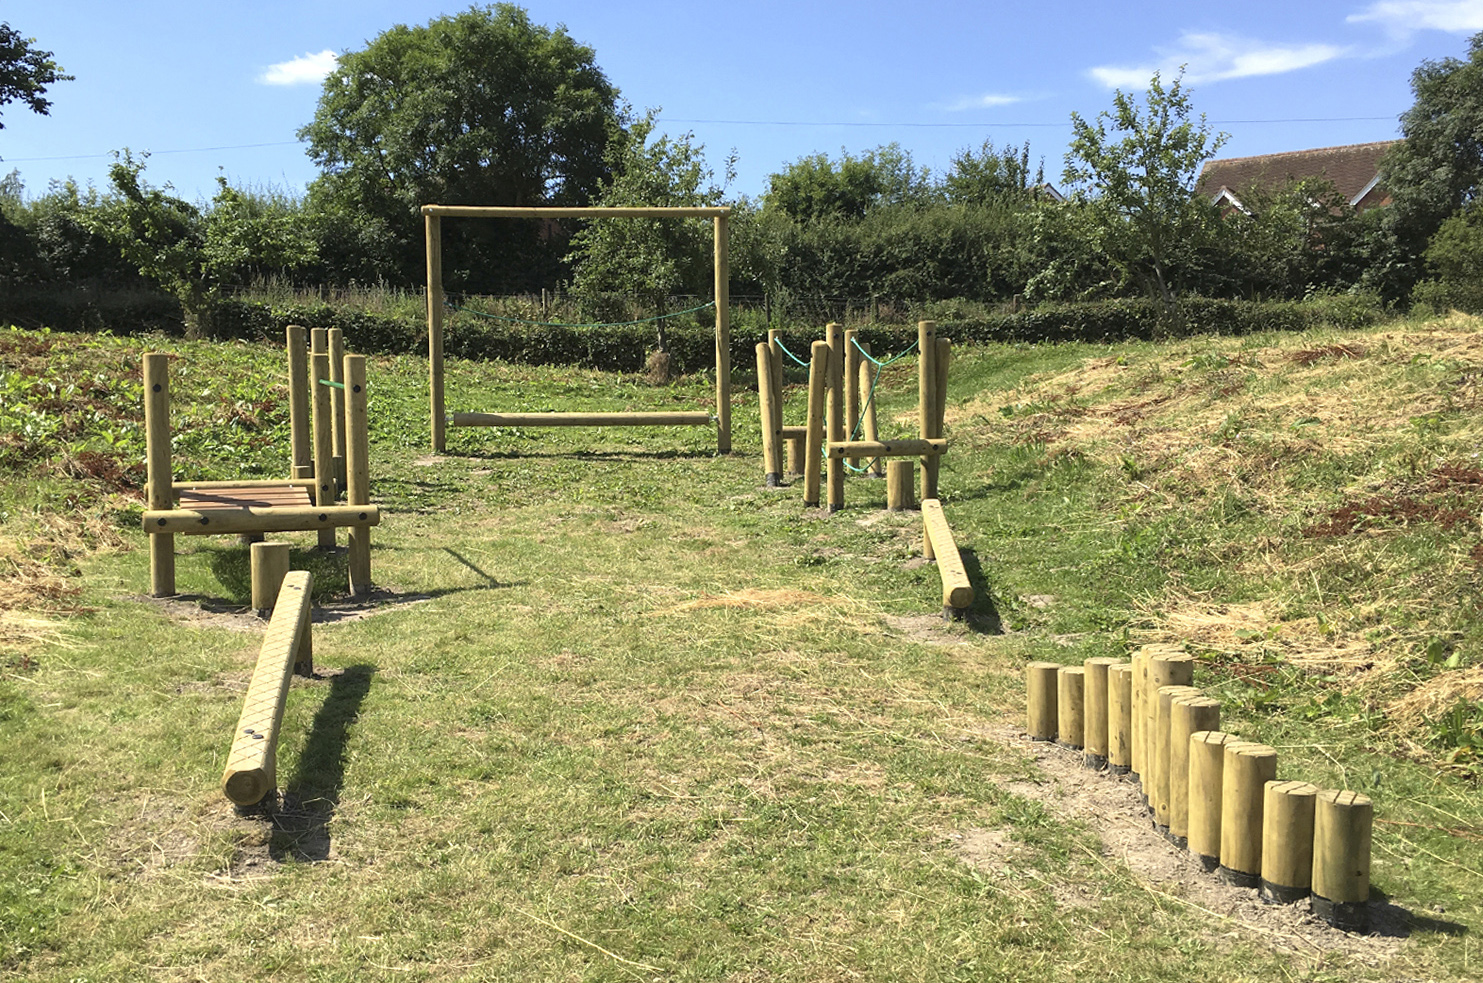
(311, 796)
(983, 614)
(232, 568)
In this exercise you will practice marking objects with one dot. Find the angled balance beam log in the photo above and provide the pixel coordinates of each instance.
(251, 772)
(937, 541)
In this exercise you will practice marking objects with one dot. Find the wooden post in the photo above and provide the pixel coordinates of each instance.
(899, 486)
(324, 442)
(927, 400)
(1042, 715)
(1119, 718)
(1070, 706)
(775, 368)
(939, 384)
(1165, 668)
(1206, 774)
(251, 771)
(723, 337)
(852, 389)
(358, 471)
(337, 405)
(433, 226)
(1095, 712)
(1188, 715)
(771, 434)
(1138, 668)
(834, 335)
(1287, 841)
(1248, 769)
(300, 448)
(796, 447)
(1342, 830)
(159, 472)
(269, 567)
(813, 454)
(1163, 714)
(869, 371)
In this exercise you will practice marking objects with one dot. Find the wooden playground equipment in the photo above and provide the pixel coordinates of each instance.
(1209, 791)
(251, 774)
(302, 502)
(433, 216)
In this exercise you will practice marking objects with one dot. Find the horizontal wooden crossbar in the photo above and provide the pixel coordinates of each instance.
(251, 771)
(209, 522)
(591, 211)
(887, 448)
(794, 433)
(181, 486)
(581, 420)
(957, 592)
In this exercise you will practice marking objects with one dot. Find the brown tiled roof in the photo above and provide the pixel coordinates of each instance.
(1350, 168)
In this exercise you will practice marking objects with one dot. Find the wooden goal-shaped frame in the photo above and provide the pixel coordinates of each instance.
(433, 217)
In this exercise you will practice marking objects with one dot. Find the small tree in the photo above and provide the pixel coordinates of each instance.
(1138, 183)
(816, 187)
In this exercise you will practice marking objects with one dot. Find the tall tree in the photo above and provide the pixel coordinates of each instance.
(25, 72)
(816, 187)
(1137, 183)
(992, 175)
(481, 108)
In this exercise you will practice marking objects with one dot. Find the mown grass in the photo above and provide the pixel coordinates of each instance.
(627, 714)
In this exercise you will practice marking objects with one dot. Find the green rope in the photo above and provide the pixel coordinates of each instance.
(795, 358)
(337, 385)
(877, 362)
(558, 324)
(870, 398)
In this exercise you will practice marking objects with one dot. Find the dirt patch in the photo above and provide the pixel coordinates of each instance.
(1110, 806)
(199, 611)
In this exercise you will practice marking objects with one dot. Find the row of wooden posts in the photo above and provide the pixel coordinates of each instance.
(840, 381)
(1209, 791)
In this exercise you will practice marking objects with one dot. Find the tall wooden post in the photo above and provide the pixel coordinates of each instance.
(775, 368)
(834, 337)
(1139, 669)
(1163, 718)
(939, 384)
(813, 454)
(1095, 715)
(300, 449)
(337, 404)
(868, 373)
(1188, 715)
(358, 470)
(852, 389)
(159, 472)
(324, 467)
(433, 225)
(1206, 778)
(723, 337)
(927, 401)
(772, 436)
(1165, 668)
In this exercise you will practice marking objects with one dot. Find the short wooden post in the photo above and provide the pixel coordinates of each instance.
(1042, 715)
(1206, 775)
(269, 567)
(1287, 841)
(722, 278)
(869, 372)
(1248, 769)
(300, 447)
(1342, 831)
(813, 454)
(852, 388)
(771, 435)
(1188, 715)
(1070, 706)
(1165, 668)
(1138, 679)
(927, 401)
(159, 470)
(899, 486)
(1120, 718)
(324, 443)
(834, 335)
(1164, 752)
(358, 471)
(796, 447)
(337, 404)
(433, 226)
(1094, 714)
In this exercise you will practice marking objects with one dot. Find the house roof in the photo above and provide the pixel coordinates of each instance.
(1354, 170)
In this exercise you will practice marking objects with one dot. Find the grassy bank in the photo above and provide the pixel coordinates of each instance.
(623, 713)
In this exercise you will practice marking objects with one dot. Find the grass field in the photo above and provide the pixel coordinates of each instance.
(619, 712)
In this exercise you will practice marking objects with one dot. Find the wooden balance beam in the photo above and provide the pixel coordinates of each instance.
(251, 773)
(937, 541)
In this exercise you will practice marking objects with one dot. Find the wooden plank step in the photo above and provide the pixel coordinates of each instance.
(240, 497)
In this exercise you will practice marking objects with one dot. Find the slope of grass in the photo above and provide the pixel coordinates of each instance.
(625, 714)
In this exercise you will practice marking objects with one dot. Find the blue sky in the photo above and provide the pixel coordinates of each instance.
(212, 87)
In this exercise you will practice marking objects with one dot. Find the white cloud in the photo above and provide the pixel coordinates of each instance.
(1217, 57)
(1406, 17)
(308, 69)
(989, 100)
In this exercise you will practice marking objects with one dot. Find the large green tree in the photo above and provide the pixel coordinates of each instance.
(1134, 172)
(25, 72)
(483, 107)
(818, 187)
